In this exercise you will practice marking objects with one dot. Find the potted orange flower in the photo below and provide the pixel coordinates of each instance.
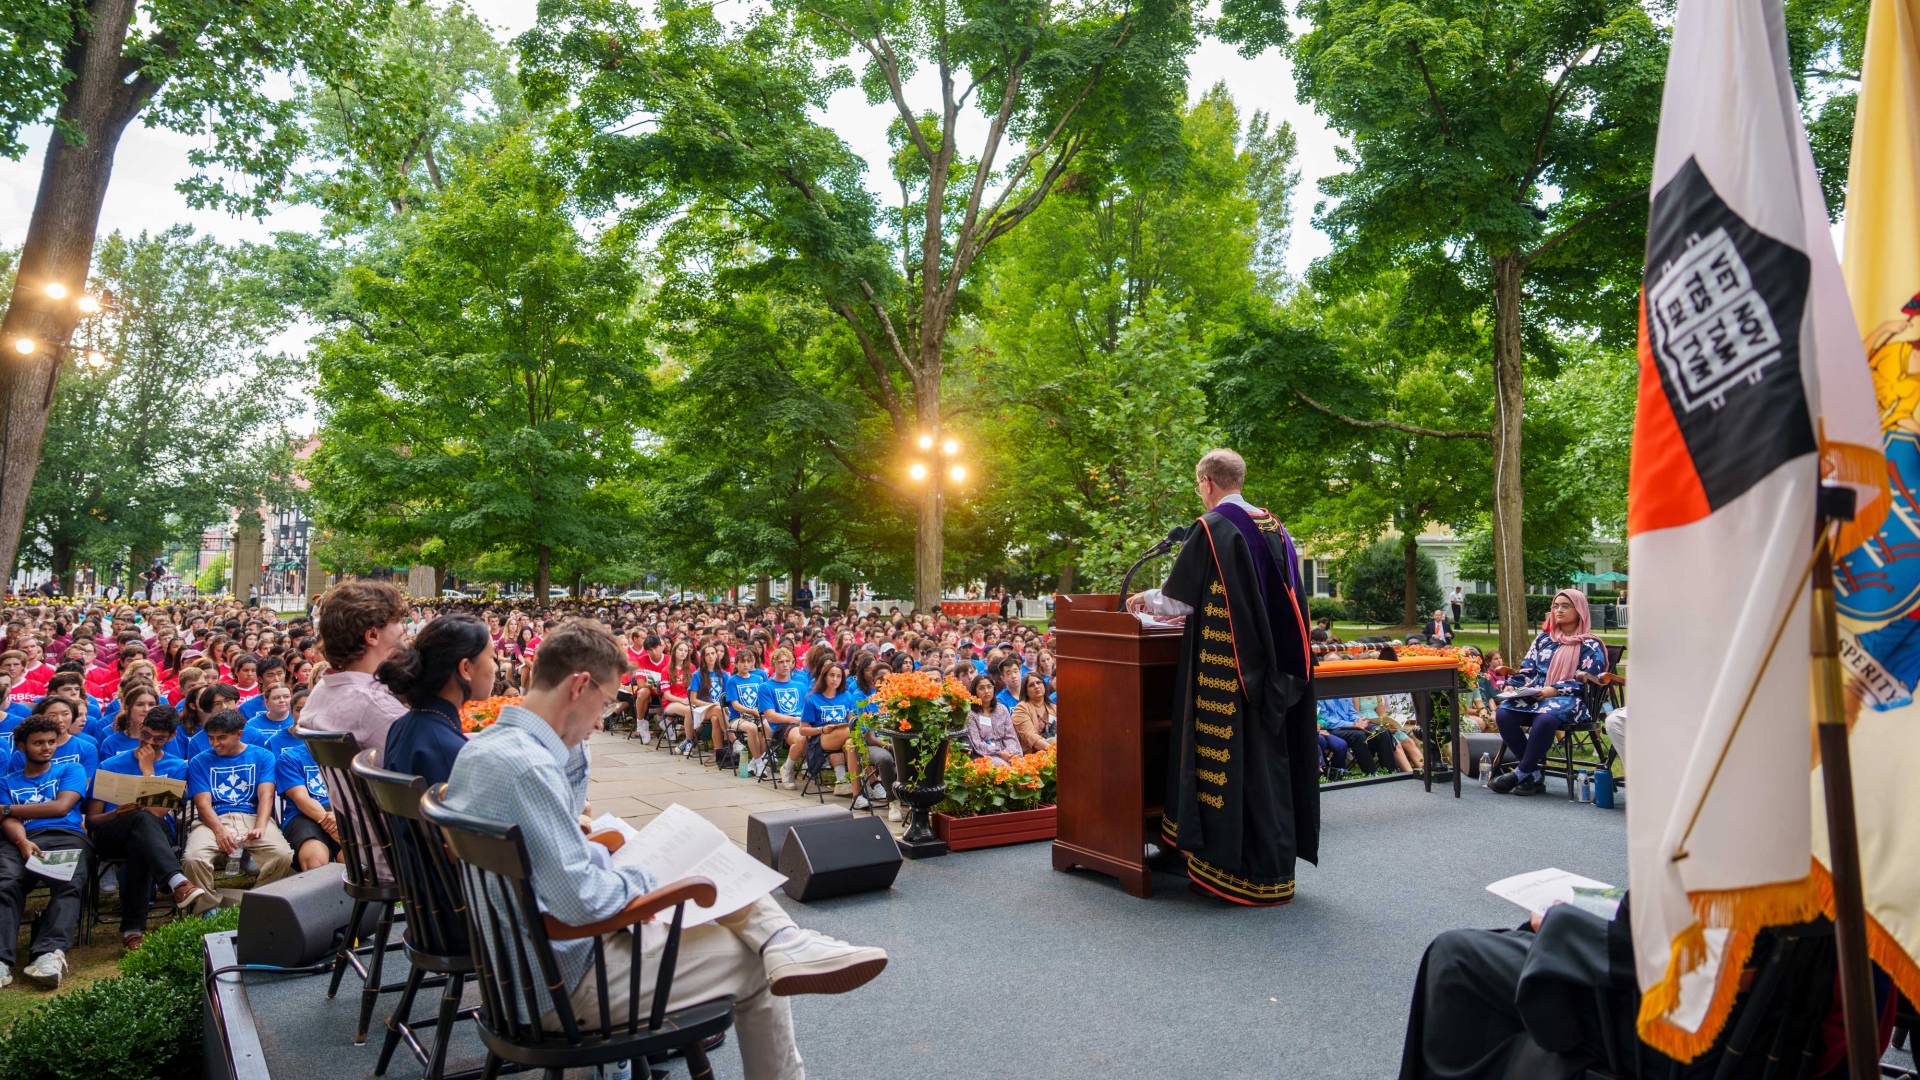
(989, 805)
(920, 711)
(480, 714)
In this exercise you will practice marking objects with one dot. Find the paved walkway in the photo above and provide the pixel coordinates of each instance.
(637, 782)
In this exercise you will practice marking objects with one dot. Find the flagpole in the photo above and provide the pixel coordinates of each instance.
(1836, 772)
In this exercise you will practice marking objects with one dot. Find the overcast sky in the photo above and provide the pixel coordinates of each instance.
(150, 162)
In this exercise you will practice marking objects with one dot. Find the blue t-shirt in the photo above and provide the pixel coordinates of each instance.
(78, 749)
(24, 790)
(116, 743)
(254, 708)
(284, 740)
(7, 724)
(170, 767)
(785, 698)
(1337, 713)
(181, 745)
(19, 710)
(819, 710)
(199, 744)
(261, 731)
(697, 687)
(232, 781)
(295, 768)
(1006, 698)
(744, 691)
(98, 727)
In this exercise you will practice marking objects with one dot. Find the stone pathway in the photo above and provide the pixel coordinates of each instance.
(636, 782)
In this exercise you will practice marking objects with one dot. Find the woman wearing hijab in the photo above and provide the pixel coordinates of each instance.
(1562, 652)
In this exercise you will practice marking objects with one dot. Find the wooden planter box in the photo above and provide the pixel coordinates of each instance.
(994, 830)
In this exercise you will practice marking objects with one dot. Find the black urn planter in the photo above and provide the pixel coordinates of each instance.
(920, 841)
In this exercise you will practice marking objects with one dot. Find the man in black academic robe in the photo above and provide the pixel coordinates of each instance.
(1243, 792)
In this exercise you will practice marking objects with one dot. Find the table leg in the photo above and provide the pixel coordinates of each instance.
(1423, 715)
(1453, 740)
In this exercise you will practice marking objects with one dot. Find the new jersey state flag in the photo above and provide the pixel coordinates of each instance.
(1878, 584)
(1753, 384)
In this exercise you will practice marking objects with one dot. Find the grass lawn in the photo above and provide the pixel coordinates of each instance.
(85, 963)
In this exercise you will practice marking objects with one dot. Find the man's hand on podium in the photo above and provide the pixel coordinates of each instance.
(1137, 603)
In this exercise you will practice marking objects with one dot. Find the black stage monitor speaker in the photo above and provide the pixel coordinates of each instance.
(767, 831)
(293, 922)
(834, 858)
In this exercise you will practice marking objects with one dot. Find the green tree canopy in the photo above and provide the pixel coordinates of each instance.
(486, 392)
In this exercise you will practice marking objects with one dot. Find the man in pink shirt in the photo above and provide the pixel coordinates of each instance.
(360, 627)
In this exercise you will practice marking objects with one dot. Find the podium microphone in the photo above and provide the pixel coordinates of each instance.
(1174, 538)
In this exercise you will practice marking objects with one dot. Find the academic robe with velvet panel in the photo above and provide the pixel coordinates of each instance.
(1243, 792)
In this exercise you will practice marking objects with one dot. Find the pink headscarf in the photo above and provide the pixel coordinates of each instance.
(1567, 660)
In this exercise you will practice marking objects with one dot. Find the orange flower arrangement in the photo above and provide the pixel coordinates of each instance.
(981, 787)
(480, 715)
(925, 708)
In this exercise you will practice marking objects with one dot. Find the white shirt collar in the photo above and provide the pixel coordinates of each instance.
(1235, 499)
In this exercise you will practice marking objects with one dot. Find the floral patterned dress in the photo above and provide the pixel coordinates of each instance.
(1571, 706)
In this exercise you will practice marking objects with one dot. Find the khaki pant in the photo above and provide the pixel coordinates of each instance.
(716, 959)
(270, 853)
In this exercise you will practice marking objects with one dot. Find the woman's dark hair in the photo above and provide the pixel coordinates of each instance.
(1027, 684)
(973, 688)
(40, 707)
(417, 674)
(1386, 653)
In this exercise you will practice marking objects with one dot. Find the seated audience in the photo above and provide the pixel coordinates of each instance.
(448, 665)
(143, 836)
(231, 786)
(826, 723)
(990, 731)
(42, 813)
(1561, 653)
(755, 955)
(1033, 716)
(306, 813)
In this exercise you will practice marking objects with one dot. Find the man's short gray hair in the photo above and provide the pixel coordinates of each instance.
(1226, 469)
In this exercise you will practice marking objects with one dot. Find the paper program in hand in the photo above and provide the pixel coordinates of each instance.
(681, 844)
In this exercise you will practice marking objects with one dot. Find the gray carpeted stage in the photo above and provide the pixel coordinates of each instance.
(1004, 968)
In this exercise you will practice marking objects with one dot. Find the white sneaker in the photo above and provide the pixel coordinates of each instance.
(876, 792)
(809, 962)
(646, 738)
(6, 976)
(842, 789)
(787, 771)
(894, 813)
(860, 802)
(49, 968)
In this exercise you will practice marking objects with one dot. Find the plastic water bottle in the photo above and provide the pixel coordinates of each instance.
(740, 752)
(1486, 769)
(619, 1070)
(1603, 789)
(1586, 786)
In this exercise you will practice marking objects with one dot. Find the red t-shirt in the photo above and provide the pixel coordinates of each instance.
(648, 663)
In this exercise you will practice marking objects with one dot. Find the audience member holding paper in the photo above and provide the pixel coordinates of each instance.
(130, 817)
(231, 785)
(754, 953)
(41, 816)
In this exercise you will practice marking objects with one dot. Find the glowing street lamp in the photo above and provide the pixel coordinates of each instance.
(87, 305)
(917, 470)
(56, 290)
(926, 442)
(958, 473)
(25, 346)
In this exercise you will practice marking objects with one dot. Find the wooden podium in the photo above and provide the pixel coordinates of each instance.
(1115, 682)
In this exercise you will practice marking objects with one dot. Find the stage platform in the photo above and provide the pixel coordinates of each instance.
(1003, 967)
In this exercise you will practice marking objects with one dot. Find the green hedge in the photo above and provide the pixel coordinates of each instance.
(1481, 606)
(143, 1025)
(1326, 607)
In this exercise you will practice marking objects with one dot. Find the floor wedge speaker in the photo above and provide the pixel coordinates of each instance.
(838, 857)
(767, 831)
(293, 921)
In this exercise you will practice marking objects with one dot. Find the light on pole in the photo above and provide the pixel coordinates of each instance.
(936, 474)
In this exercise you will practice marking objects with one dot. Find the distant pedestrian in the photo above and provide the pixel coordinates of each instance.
(1458, 601)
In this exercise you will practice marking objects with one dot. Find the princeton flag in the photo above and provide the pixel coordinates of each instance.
(1878, 585)
(1752, 385)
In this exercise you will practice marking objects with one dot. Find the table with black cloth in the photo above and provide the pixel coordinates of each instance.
(1418, 676)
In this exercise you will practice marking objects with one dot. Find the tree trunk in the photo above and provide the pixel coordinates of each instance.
(1410, 613)
(842, 595)
(763, 592)
(1066, 575)
(1509, 565)
(793, 584)
(542, 574)
(63, 567)
(59, 249)
(929, 547)
(579, 584)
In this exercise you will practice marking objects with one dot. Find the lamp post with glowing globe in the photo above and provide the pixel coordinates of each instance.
(934, 468)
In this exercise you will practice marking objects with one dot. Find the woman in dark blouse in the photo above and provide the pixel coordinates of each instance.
(450, 663)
